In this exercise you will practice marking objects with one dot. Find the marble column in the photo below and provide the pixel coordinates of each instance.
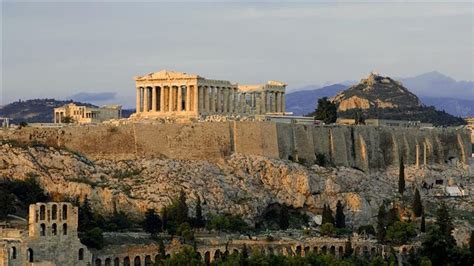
(225, 99)
(138, 108)
(201, 98)
(231, 100)
(283, 106)
(196, 99)
(153, 99)
(206, 99)
(258, 101)
(243, 102)
(162, 99)
(170, 99)
(278, 102)
(263, 108)
(219, 100)
(179, 102)
(188, 99)
(145, 99)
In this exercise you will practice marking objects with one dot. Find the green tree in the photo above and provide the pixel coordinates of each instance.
(401, 177)
(67, 120)
(401, 232)
(7, 201)
(381, 231)
(284, 223)
(28, 191)
(184, 230)
(164, 217)
(199, 219)
(417, 205)
(182, 211)
(366, 229)
(187, 257)
(423, 223)
(327, 229)
(326, 111)
(327, 216)
(340, 217)
(392, 216)
(161, 248)
(152, 222)
(443, 220)
(93, 238)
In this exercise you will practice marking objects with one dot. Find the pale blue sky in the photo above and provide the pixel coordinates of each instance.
(60, 49)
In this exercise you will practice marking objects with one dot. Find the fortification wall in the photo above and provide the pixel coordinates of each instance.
(363, 147)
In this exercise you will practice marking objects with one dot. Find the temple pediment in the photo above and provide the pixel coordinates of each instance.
(168, 75)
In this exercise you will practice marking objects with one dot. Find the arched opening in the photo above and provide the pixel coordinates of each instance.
(137, 261)
(315, 250)
(13, 253)
(357, 251)
(42, 212)
(157, 258)
(341, 250)
(199, 256)
(29, 255)
(64, 212)
(54, 212)
(64, 229)
(108, 262)
(226, 254)
(333, 250)
(404, 251)
(42, 229)
(116, 262)
(270, 251)
(148, 261)
(217, 254)
(235, 251)
(365, 250)
(98, 262)
(298, 251)
(306, 251)
(207, 258)
(126, 261)
(373, 251)
(54, 229)
(324, 250)
(81, 254)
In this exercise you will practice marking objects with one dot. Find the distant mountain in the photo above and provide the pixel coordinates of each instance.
(304, 101)
(39, 110)
(382, 97)
(434, 84)
(457, 107)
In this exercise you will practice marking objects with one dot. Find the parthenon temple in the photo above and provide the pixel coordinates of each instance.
(170, 93)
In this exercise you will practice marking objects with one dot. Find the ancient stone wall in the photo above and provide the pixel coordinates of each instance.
(362, 147)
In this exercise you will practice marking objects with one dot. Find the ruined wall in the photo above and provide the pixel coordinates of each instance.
(363, 147)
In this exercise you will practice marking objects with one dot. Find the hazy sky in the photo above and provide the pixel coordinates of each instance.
(60, 49)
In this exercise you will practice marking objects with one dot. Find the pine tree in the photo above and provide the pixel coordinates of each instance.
(283, 221)
(326, 111)
(417, 205)
(392, 216)
(182, 211)
(381, 231)
(152, 223)
(199, 218)
(340, 217)
(423, 225)
(327, 216)
(443, 220)
(401, 177)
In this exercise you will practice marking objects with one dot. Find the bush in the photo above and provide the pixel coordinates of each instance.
(227, 222)
(327, 229)
(7, 201)
(401, 232)
(366, 229)
(28, 191)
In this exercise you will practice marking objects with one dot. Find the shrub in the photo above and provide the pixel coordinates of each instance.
(327, 229)
(401, 232)
(93, 238)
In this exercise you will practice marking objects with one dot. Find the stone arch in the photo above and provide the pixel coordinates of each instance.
(217, 254)
(42, 229)
(340, 250)
(333, 250)
(235, 251)
(137, 261)
(315, 249)
(365, 250)
(98, 262)
(148, 261)
(357, 251)
(324, 250)
(108, 262)
(116, 261)
(199, 256)
(157, 257)
(80, 254)
(42, 212)
(226, 254)
(54, 212)
(307, 250)
(404, 250)
(373, 251)
(207, 258)
(298, 251)
(13, 253)
(126, 261)
(64, 212)
(270, 250)
(30, 255)
(54, 229)
(65, 229)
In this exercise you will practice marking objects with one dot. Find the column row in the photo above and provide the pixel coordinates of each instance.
(166, 99)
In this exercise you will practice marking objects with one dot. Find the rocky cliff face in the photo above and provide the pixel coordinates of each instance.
(238, 184)
(376, 92)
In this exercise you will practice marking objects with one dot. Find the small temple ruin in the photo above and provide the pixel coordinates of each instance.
(170, 93)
